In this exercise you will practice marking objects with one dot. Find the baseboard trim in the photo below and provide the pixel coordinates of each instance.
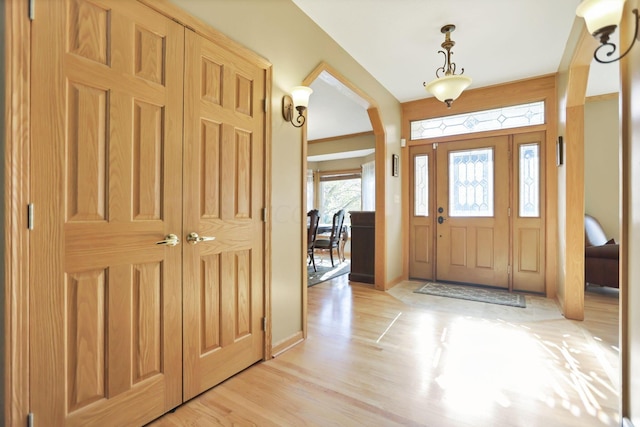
(286, 344)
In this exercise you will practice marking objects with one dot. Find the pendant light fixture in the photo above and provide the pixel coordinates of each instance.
(447, 86)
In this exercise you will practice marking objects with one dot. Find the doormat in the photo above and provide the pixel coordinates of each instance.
(473, 293)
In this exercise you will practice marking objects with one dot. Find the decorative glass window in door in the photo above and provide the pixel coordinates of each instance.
(529, 178)
(421, 185)
(471, 183)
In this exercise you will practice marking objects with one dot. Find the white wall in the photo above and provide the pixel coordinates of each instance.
(602, 163)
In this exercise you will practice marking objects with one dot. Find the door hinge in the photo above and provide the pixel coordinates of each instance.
(435, 145)
(30, 419)
(30, 216)
(265, 105)
(32, 10)
(264, 324)
(264, 214)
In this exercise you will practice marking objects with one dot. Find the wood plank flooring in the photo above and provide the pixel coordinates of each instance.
(398, 358)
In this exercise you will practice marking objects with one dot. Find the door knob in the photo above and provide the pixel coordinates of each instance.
(169, 240)
(193, 238)
(441, 219)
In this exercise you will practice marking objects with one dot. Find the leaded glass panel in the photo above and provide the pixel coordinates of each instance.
(471, 183)
(479, 121)
(529, 180)
(421, 185)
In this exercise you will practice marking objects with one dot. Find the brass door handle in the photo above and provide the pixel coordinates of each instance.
(169, 240)
(193, 238)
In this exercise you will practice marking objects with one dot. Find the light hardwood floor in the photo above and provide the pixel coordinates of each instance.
(399, 358)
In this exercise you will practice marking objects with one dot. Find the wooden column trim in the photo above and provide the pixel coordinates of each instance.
(380, 224)
(573, 298)
(17, 42)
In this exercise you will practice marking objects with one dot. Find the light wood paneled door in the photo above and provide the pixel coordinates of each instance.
(422, 219)
(105, 299)
(472, 203)
(224, 197)
(134, 305)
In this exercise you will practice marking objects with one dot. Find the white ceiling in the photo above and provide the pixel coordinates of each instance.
(397, 41)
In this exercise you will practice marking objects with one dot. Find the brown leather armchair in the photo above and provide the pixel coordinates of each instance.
(601, 263)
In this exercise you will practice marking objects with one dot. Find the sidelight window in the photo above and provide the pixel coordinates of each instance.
(529, 177)
(421, 185)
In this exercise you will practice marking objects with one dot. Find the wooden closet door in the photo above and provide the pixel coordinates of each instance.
(105, 299)
(223, 199)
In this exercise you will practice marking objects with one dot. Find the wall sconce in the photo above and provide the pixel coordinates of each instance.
(448, 87)
(602, 18)
(300, 100)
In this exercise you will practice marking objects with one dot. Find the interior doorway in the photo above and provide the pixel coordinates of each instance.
(368, 106)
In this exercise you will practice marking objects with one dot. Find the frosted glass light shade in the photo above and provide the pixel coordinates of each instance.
(300, 96)
(448, 88)
(599, 14)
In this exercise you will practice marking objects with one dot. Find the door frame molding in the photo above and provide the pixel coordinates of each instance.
(17, 107)
(543, 88)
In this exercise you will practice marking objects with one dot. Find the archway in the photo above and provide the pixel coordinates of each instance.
(380, 154)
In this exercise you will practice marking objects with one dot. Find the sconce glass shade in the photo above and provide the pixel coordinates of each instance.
(300, 96)
(599, 14)
(448, 88)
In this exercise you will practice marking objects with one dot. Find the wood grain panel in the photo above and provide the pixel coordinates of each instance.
(85, 330)
(147, 303)
(244, 95)
(422, 243)
(458, 248)
(86, 153)
(243, 293)
(149, 55)
(228, 279)
(89, 31)
(210, 301)
(212, 83)
(529, 250)
(211, 136)
(484, 247)
(243, 157)
(147, 160)
(119, 333)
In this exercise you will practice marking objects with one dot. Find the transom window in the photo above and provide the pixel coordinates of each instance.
(498, 118)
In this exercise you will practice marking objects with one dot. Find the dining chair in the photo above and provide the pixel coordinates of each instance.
(312, 231)
(334, 239)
